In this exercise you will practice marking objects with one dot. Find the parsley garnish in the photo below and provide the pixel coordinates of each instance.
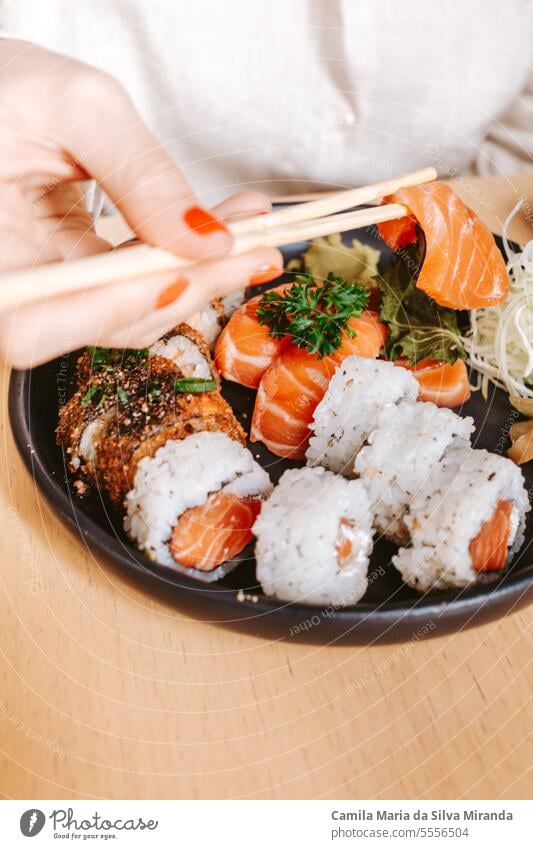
(122, 395)
(313, 315)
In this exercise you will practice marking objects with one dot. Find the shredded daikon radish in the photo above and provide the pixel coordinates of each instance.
(500, 341)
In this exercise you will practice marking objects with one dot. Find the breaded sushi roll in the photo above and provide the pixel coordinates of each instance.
(193, 503)
(466, 524)
(85, 416)
(97, 361)
(183, 346)
(358, 391)
(314, 539)
(116, 418)
(403, 451)
(187, 349)
(170, 408)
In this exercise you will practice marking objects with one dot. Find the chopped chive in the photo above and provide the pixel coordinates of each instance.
(194, 384)
(90, 395)
(153, 390)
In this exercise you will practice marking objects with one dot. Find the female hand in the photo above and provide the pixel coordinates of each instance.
(64, 122)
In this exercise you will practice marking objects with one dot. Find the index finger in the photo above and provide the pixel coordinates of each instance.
(110, 140)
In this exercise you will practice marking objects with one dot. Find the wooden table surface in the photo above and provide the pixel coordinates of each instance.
(108, 692)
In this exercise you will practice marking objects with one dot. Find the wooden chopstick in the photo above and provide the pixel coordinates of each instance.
(63, 278)
(332, 203)
(301, 231)
(275, 229)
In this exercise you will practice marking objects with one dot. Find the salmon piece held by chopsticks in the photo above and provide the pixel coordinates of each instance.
(462, 268)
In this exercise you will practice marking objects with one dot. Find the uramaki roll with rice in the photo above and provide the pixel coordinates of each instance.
(466, 524)
(170, 408)
(314, 539)
(193, 503)
(357, 392)
(402, 454)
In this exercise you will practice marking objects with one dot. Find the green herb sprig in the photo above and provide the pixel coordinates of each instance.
(418, 327)
(194, 385)
(106, 359)
(95, 395)
(314, 315)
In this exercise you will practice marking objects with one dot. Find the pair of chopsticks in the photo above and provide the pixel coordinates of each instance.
(320, 217)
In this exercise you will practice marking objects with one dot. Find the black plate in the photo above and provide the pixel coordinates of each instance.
(390, 611)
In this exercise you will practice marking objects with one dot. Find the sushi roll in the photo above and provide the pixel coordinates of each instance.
(314, 539)
(466, 524)
(119, 417)
(407, 444)
(101, 361)
(169, 408)
(193, 503)
(213, 318)
(184, 347)
(187, 349)
(99, 400)
(348, 412)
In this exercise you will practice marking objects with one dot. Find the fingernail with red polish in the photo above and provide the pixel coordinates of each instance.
(265, 274)
(171, 293)
(202, 222)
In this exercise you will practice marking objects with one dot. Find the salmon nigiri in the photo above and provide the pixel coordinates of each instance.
(462, 268)
(295, 383)
(445, 384)
(245, 348)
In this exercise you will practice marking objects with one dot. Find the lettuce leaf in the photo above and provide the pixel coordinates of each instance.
(418, 327)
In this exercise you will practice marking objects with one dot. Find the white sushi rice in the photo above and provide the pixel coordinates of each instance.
(407, 444)
(299, 531)
(90, 438)
(358, 391)
(448, 514)
(180, 475)
(210, 321)
(185, 354)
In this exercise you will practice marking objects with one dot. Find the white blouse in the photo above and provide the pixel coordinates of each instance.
(290, 95)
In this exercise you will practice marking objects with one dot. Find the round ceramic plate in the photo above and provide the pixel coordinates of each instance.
(390, 611)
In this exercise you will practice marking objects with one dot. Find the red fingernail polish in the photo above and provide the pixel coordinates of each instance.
(265, 274)
(171, 293)
(202, 222)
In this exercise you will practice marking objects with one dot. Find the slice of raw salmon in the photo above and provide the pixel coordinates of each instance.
(208, 535)
(445, 384)
(462, 268)
(295, 383)
(245, 349)
(488, 549)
